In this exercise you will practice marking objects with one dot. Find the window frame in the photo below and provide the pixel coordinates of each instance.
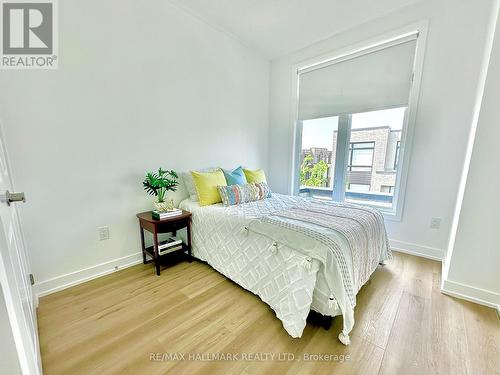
(421, 29)
(351, 153)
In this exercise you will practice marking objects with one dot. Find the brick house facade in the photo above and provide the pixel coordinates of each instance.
(380, 176)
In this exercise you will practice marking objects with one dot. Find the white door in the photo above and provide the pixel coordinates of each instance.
(15, 275)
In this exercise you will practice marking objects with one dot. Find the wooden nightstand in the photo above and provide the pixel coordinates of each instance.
(171, 225)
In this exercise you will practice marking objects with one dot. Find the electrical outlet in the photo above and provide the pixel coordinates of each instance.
(435, 223)
(103, 233)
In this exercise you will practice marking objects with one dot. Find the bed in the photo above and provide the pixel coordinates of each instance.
(297, 254)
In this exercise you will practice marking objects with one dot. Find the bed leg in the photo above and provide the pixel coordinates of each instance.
(320, 320)
(326, 322)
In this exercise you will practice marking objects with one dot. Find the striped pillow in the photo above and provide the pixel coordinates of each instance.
(264, 191)
(237, 194)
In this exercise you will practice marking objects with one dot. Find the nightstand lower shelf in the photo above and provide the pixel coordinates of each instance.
(151, 252)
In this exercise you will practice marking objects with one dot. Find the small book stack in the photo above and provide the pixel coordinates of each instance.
(172, 244)
(166, 214)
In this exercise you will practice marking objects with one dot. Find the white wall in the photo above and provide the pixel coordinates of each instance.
(139, 85)
(453, 57)
(474, 264)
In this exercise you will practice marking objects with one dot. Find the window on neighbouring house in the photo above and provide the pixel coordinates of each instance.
(360, 156)
(358, 187)
(351, 114)
(396, 155)
(386, 189)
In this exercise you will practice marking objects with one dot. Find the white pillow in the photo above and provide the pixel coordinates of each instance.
(189, 182)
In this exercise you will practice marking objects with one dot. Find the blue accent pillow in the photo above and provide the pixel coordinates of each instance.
(235, 177)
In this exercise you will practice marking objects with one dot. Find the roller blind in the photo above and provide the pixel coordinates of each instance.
(369, 81)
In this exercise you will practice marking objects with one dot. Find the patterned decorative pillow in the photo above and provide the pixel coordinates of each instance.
(264, 190)
(237, 194)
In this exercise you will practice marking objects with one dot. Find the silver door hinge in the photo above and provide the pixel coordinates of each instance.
(32, 279)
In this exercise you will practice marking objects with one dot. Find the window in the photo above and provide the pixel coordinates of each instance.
(396, 156)
(358, 187)
(373, 148)
(376, 134)
(386, 189)
(360, 156)
(352, 118)
(317, 149)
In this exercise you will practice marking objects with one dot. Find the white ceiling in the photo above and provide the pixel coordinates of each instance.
(277, 27)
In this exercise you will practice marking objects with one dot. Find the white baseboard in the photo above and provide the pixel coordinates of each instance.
(58, 283)
(472, 294)
(70, 279)
(452, 288)
(418, 250)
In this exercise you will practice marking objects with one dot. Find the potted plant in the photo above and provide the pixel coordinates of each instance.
(158, 184)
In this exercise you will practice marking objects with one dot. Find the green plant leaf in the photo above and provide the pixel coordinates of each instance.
(159, 183)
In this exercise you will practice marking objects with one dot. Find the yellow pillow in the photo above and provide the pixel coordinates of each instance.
(255, 176)
(206, 186)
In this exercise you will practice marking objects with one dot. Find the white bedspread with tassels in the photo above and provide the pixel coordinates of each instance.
(296, 254)
(348, 240)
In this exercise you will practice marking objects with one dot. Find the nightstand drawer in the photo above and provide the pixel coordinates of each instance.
(172, 225)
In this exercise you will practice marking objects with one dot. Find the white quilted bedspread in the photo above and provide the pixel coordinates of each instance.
(279, 278)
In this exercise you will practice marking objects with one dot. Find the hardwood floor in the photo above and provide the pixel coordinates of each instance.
(114, 324)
